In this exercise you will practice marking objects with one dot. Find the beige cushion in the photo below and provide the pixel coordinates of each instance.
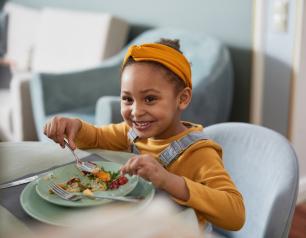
(22, 26)
(72, 40)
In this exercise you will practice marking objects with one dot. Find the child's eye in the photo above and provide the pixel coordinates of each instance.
(127, 100)
(150, 99)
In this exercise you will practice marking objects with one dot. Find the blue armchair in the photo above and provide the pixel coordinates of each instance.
(264, 167)
(76, 94)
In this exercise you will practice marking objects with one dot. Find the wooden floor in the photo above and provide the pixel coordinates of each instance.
(298, 227)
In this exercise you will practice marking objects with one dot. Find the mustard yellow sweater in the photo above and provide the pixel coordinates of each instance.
(213, 194)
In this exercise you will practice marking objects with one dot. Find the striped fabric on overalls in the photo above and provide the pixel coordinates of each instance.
(172, 152)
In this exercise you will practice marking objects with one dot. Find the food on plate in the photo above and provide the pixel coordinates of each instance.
(100, 180)
(87, 192)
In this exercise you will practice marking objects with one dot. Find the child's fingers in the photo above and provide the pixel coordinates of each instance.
(71, 142)
(46, 129)
(71, 134)
(131, 166)
(136, 164)
(60, 131)
(52, 129)
(124, 168)
(142, 172)
(50, 132)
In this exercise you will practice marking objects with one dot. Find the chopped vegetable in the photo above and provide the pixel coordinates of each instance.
(105, 176)
(100, 180)
(87, 192)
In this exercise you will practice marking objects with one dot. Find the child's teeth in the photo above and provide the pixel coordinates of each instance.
(142, 124)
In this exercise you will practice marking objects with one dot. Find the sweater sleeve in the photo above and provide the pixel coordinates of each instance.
(110, 137)
(212, 192)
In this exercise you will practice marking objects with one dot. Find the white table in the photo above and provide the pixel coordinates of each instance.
(22, 158)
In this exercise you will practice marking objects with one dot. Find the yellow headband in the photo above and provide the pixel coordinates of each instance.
(169, 57)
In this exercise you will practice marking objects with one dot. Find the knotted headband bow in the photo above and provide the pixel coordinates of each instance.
(169, 57)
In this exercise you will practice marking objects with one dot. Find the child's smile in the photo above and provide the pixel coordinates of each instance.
(149, 102)
(142, 125)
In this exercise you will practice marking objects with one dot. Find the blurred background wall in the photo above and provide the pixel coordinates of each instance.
(229, 21)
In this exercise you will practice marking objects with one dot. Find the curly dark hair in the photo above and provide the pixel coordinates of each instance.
(175, 43)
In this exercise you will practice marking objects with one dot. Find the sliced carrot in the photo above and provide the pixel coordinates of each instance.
(104, 176)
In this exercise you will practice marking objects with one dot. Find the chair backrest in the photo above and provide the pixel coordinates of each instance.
(264, 166)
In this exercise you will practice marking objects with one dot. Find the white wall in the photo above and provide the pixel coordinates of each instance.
(229, 21)
(279, 75)
(298, 115)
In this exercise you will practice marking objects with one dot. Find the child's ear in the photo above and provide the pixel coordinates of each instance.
(185, 98)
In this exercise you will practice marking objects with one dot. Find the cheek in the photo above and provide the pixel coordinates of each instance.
(125, 112)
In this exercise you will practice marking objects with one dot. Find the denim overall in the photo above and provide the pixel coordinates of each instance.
(176, 148)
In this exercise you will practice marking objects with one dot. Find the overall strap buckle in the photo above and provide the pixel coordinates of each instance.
(176, 148)
(133, 137)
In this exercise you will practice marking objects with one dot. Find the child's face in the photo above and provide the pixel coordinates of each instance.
(149, 102)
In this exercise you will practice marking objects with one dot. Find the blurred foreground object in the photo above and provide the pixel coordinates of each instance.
(159, 219)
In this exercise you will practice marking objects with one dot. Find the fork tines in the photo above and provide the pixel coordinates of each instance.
(58, 190)
(85, 166)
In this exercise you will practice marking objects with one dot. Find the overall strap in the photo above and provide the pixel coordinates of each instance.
(177, 147)
(133, 137)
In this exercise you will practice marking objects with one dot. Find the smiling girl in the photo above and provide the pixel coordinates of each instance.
(175, 155)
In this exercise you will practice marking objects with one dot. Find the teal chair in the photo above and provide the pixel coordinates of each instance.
(89, 94)
(264, 166)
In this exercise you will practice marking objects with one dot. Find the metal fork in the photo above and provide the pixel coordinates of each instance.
(83, 166)
(75, 197)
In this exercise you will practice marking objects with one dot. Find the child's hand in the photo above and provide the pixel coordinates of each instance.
(57, 128)
(148, 168)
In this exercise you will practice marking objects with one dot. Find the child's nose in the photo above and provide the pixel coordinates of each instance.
(137, 110)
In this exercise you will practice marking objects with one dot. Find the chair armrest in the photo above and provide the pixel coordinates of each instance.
(22, 115)
(108, 110)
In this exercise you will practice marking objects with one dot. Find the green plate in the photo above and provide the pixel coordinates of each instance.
(65, 173)
(49, 213)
